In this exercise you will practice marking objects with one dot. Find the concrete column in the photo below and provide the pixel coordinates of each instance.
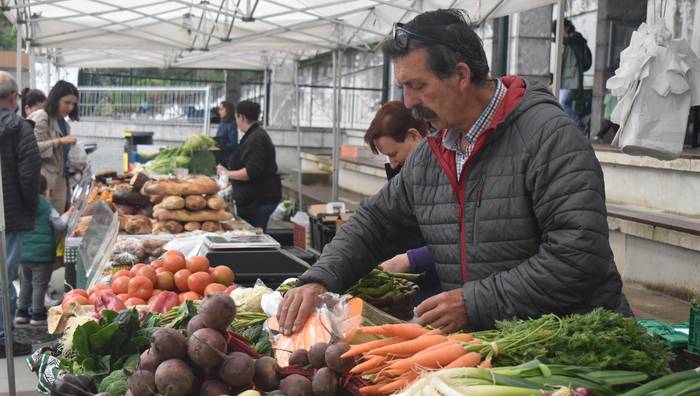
(530, 44)
(233, 85)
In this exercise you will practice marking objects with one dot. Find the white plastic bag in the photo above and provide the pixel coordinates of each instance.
(657, 82)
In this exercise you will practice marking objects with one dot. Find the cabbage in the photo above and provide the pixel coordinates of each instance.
(249, 298)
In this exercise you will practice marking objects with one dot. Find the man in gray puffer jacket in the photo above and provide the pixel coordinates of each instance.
(508, 195)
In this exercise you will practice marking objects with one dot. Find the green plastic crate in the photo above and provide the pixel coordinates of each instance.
(667, 331)
(694, 324)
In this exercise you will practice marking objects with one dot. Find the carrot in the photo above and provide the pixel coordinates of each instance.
(359, 349)
(470, 359)
(373, 389)
(437, 346)
(431, 332)
(464, 337)
(411, 347)
(486, 364)
(400, 383)
(435, 358)
(370, 363)
(404, 330)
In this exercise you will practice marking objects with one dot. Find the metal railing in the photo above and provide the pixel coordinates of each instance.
(179, 105)
(357, 106)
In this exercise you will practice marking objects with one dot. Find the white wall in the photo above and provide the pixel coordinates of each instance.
(681, 17)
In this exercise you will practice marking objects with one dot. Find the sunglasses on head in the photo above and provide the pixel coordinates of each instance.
(402, 36)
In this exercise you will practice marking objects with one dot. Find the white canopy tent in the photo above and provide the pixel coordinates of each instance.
(226, 34)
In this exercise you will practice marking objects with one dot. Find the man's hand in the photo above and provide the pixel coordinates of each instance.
(297, 305)
(220, 169)
(398, 263)
(445, 310)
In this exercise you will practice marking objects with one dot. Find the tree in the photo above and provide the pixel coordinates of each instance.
(8, 34)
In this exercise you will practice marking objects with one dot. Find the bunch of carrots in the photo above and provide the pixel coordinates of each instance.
(396, 361)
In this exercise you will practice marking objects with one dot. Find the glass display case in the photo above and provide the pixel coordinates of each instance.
(96, 246)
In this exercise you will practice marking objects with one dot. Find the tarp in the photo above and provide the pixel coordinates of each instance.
(246, 34)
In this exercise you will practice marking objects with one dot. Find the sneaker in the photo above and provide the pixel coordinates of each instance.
(18, 349)
(21, 317)
(38, 319)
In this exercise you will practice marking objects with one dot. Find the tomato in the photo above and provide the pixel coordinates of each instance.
(230, 288)
(165, 281)
(149, 273)
(135, 269)
(141, 287)
(174, 263)
(197, 264)
(188, 296)
(94, 297)
(224, 275)
(198, 281)
(157, 264)
(76, 292)
(121, 273)
(99, 286)
(120, 285)
(123, 296)
(134, 301)
(214, 288)
(180, 278)
(78, 299)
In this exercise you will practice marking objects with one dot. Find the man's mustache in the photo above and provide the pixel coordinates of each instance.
(423, 113)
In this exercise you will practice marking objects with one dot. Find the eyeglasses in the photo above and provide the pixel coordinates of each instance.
(403, 35)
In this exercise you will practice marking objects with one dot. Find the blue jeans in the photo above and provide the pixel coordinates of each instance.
(566, 98)
(13, 242)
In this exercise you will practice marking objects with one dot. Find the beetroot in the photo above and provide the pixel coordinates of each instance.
(194, 324)
(333, 358)
(300, 357)
(237, 370)
(266, 373)
(148, 361)
(168, 344)
(213, 388)
(325, 382)
(206, 348)
(142, 383)
(296, 385)
(174, 378)
(317, 354)
(217, 311)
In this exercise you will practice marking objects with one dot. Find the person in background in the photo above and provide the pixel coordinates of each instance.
(32, 100)
(395, 133)
(38, 254)
(20, 182)
(227, 134)
(54, 139)
(252, 169)
(572, 68)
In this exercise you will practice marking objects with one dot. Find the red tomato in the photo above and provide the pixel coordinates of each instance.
(174, 263)
(134, 301)
(197, 264)
(165, 281)
(141, 287)
(120, 284)
(188, 296)
(123, 296)
(161, 269)
(76, 292)
(135, 269)
(94, 297)
(121, 273)
(224, 275)
(181, 279)
(148, 272)
(214, 288)
(78, 299)
(198, 281)
(99, 286)
(156, 264)
(230, 289)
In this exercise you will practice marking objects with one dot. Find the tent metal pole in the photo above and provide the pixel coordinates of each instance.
(18, 60)
(560, 47)
(297, 110)
(207, 111)
(336, 125)
(4, 281)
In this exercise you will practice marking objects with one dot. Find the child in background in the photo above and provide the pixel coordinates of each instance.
(38, 255)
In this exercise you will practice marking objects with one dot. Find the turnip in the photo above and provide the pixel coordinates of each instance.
(266, 373)
(174, 378)
(317, 354)
(168, 344)
(217, 311)
(206, 348)
(296, 385)
(334, 360)
(325, 382)
(237, 370)
(142, 383)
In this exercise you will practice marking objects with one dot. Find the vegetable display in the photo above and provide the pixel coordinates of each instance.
(380, 284)
(185, 156)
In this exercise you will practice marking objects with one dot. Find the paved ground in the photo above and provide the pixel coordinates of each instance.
(645, 303)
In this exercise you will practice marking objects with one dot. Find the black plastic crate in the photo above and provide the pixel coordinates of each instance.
(272, 266)
(322, 232)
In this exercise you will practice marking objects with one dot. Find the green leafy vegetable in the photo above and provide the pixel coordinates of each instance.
(115, 384)
(380, 284)
(600, 339)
